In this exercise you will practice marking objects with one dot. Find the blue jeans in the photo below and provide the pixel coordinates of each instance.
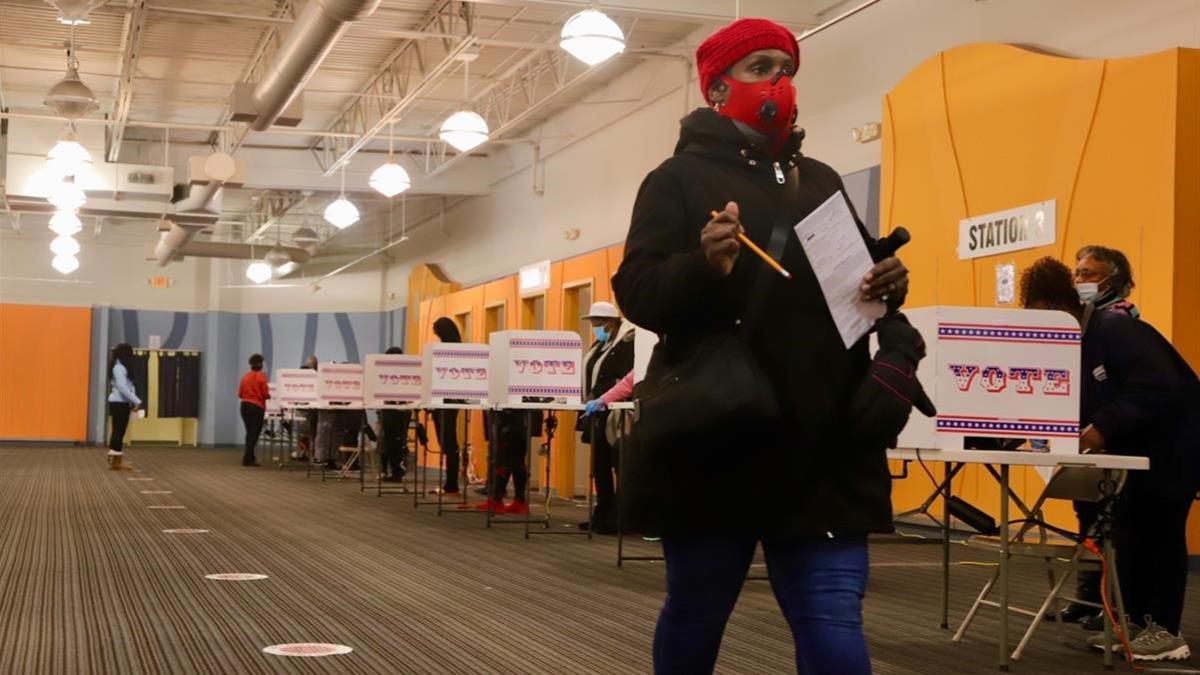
(819, 584)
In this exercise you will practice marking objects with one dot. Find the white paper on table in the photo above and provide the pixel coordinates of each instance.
(839, 257)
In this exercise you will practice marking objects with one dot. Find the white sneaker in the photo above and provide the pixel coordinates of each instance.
(1157, 644)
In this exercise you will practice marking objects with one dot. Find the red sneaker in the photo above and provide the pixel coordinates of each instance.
(489, 505)
(517, 508)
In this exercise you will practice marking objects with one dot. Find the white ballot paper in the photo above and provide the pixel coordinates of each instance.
(839, 257)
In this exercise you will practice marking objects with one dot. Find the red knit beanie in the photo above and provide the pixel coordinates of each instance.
(727, 46)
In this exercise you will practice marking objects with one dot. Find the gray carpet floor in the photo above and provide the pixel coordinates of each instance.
(89, 583)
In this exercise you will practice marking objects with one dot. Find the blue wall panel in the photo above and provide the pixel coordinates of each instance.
(226, 341)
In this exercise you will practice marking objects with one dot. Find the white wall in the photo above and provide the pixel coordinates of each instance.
(110, 272)
(597, 153)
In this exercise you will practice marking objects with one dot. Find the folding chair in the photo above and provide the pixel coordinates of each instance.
(1059, 554)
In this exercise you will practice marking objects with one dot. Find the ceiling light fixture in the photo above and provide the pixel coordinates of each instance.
(68, 157)
(75, 12)
(64, 246)
(390, 179)
(65, 223)
(465, 130)
(70, 97)
(341, 213)
(67, 196)
(258, 271)
(65, 264)
(592, 37)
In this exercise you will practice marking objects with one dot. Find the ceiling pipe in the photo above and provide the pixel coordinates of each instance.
(316, 30)
(310, 40)
(235, 251)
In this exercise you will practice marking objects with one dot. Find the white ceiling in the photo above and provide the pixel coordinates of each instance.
(187, 63)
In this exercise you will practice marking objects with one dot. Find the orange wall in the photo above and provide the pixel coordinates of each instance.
(44, 364)
(983, 128)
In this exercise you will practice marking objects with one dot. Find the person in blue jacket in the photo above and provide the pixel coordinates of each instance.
(122, 401)
(1138, 397)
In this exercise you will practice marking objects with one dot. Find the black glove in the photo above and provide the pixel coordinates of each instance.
(886, 396)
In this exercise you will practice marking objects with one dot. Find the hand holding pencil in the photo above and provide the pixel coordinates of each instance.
(723, 238)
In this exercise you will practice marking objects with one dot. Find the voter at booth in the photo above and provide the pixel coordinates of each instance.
(1138, 397)
(446, 421)
(715, 485)
(253, 392)
(393, 439)
(1104, 278)
(509, 452)
(308, 438)
(609, 359)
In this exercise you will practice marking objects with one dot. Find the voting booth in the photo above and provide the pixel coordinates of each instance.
(536, 364)
(997, 373)
(455, 372)
(297, 387)
(274, 408)
(392, 380)
(340, 385)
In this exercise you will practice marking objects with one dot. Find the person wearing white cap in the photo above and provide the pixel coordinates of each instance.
(609, 360)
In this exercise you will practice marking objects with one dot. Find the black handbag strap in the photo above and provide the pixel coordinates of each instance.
(758, 287)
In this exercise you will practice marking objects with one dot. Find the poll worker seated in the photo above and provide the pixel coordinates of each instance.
(1138, 397)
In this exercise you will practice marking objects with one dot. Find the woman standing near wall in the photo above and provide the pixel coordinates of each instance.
(122, 401)
(446, 421)
(253, 392)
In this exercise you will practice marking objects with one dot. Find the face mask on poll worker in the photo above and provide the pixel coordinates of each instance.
(1088, 291)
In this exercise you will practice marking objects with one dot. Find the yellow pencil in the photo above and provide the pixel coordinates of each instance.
(759, 252)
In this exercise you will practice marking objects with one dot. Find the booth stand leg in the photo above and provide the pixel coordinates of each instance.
(1004, 580)
(947, 491)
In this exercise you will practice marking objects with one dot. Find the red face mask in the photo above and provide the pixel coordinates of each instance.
(768, 106)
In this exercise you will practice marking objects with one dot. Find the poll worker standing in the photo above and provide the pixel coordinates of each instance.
(1138, 397)
(686, 277)
(122, 402)
(446, 421)
(608, 360)
(1104, 278)
(253, 392)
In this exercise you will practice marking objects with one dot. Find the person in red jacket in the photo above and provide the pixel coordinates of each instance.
(253, 393)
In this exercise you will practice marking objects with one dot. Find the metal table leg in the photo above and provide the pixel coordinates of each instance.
(947, 489)
(1004, 580)
(529, 464)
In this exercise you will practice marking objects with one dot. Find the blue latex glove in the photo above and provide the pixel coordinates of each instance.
(594, 406)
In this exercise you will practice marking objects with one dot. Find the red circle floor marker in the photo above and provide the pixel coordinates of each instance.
(307, 649)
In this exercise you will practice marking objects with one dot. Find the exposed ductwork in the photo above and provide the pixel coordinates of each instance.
(313, 35)
(316, 30)
(235, 251)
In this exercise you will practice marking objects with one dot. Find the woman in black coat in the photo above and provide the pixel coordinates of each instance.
(1138, 397)
(446, 421)
(791, 483)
